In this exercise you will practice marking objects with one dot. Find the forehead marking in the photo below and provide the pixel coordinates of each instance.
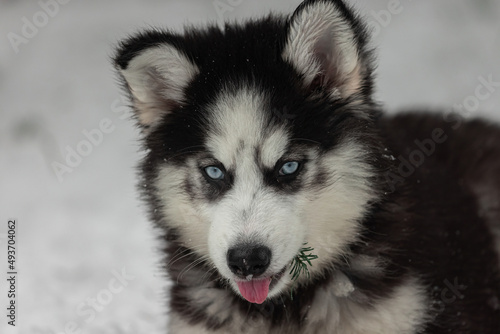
(240, 126)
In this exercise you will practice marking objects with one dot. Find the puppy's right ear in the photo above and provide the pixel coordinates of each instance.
(156, 73)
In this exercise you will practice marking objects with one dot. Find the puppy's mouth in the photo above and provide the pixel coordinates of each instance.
(256, 290)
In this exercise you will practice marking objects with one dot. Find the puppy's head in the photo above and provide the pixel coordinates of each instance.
(260, 140)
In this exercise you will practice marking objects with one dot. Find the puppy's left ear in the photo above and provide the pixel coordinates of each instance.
(326, 44)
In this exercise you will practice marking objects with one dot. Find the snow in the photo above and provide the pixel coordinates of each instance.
(75, 235)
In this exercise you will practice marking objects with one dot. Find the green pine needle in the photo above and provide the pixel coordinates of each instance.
(300, 264)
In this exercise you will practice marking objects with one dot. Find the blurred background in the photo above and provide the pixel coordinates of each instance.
(88, 259)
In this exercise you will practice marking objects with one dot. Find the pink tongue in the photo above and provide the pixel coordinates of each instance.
(255, 291)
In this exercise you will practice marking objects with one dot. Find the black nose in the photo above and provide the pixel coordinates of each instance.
(248, 260)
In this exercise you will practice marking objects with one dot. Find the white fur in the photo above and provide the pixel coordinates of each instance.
(321, 41)
(179, 209)
(178, 325)
(332, 215)
(403, 312)
(157, 77)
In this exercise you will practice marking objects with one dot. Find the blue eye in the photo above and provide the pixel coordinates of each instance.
(215, 173)
(289, 168)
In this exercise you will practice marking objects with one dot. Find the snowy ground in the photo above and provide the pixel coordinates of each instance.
(75, 234)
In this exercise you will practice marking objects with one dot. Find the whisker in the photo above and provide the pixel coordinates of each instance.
(191, 266)
(180, 255)
(306, 140)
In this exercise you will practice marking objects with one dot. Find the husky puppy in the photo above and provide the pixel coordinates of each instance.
(290, 203)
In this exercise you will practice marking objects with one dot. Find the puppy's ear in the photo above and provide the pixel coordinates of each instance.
(156, 74)
(325, 44)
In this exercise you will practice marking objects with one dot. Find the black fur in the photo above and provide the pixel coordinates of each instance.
(432, 222)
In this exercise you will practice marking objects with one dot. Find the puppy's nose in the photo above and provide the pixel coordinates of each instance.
(248, 260)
